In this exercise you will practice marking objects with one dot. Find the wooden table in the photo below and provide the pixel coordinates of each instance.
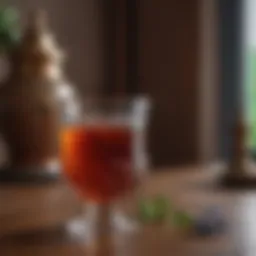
(32, 218)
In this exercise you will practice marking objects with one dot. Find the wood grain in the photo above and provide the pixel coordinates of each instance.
(31, 219)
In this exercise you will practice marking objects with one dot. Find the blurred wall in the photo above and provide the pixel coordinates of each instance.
(78, 28)
(169, 73)
(168, 62)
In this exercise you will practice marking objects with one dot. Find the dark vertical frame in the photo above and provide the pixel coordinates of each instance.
(132, 85)
(230, 29)
(121, 47)
(109, 29)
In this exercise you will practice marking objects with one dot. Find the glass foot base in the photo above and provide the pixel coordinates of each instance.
(119, 240)
(80, 227)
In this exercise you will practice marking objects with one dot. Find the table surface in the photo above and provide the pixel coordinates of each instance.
(32, 219)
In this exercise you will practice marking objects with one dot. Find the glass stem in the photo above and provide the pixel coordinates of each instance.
(101, 230)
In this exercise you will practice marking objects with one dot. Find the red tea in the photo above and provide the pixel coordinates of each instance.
(97, 160)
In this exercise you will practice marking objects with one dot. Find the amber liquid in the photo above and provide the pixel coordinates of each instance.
(97, 160)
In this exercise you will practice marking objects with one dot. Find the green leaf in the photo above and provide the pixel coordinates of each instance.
(162, 207)
(182, 219)
(10, 15)
(9, 28)
(146, 211)
(153, 210)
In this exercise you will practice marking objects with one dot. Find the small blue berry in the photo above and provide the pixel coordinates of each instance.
(211, 222)
(204, 228)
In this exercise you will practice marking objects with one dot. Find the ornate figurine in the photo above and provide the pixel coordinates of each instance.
(32, 103)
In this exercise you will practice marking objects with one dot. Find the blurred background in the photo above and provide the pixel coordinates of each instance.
(183, 54)
(190, 57)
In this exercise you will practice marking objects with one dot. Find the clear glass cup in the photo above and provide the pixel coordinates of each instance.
(104, 158)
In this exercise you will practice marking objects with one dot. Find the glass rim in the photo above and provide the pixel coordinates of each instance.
(113, 108)
(124, 99)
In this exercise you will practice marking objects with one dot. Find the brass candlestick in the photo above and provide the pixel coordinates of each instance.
(238, 174)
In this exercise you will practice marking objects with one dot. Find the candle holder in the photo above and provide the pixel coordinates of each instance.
(239, 173)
